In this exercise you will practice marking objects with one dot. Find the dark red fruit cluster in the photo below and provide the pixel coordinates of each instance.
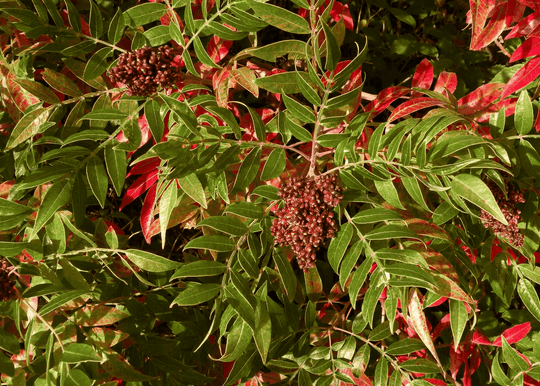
(143, 70)
(307, 219)
(7, 289)
(508, 207)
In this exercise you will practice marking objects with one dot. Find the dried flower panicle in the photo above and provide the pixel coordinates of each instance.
(510, 212)
(144, 69)
(307, 219)
(7, 286)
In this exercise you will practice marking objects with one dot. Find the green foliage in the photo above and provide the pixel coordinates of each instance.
(137, 232)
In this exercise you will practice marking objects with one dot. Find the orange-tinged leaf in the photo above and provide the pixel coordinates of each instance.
(147, 212)
(446, 82)
(98, 315)
(246, 78)
(436, 261)
(385, 98)
(480, 98)
(16, 98)
(417, 320)
(526, 75)
(450, 289)
(27, 127)
(180, 214)
(423, 76)
(426, 228)
(413, 105)
(494, 28)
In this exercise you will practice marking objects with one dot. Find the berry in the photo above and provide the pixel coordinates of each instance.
(307, 219)
(508, 207)
(144, 69)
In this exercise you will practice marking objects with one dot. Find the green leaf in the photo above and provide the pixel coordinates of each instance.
(338, 246)
(56, 197)
(274, 165)
(333, 52)
(418, 321)
(80, 352)
(105, 115)
(82, 48)
(97, 64)
(473, 189)
(116, 163)
(528, 295)
(96, 21)
(498, 374)
(116, 27)
(388, 191)
(381, 372)
(395, 379)
(286, 273)
(10, 208)
(524, 114)
(349, 261)
(295, 49)
(72, 274)
(150, 262)
(7, 367)
(263, 328)
(343, 76)
(308, 91)
(73, 16)
(38, 90)
(358, 279)
(529, 158)
(225, 33)
(512, 358)
(280, 18)
(413, 188)
(409, 270)
(97, 178)
(405, 346)
(267, 191)
(60, 300)
(158, 35)
(202, 55)
(296, 130)
(53, 11)
(374, 215)
(298, 110)
(225, 224)
(284, 82)
(9, 342)
(245, 209)
(144, 14)
(248, 170)
(199, 269)
(76, 377)
(192, 186)
(332, 140)
(420, 365)
(458, 320)
(27, 127)
(314, 285)
(166, 206)
(241, 367)
(153, 117)
(61, 82)
(403, 16)
(386, 232)
(212, 243)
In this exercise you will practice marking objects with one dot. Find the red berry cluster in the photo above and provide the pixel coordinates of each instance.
(7, 289)
(307, 218)
(143, 70)
(510, 212)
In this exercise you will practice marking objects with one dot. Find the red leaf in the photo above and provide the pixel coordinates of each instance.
(479, 14)
(423, 76)
(417, 320)
(385, 98)
(525, 26)
(528, 73)
(147, 212)
(146, 166)
(141, 185)
(456, 359)
(514, 334)
(218, 48)
(222, 81)
(534, 4)
(514, 12)
(467, 375)
(339, 10)
(528, 381)
(479, 338)
(446, 81)
(530, 47)
(436, 382)
(443, 325)
(480, 98)
(493, 30)
(537, 123)
(413, 105)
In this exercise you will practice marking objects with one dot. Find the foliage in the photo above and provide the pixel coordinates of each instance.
(137, 231)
